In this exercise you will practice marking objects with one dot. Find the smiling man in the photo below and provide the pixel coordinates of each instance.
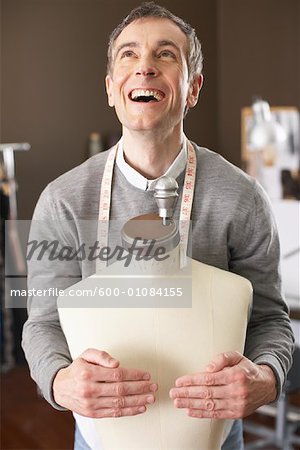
(154, 77)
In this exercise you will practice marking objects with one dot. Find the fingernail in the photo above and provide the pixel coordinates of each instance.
(146, 376)
(112, 360)
(153, 387)
(142, 409)
(150, 399)
(177, 402)
(172, 393)
(210, 367)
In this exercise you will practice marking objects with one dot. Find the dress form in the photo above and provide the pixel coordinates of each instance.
(167, 342)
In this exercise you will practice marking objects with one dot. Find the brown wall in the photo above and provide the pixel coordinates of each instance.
(258, 54)
(53, 66)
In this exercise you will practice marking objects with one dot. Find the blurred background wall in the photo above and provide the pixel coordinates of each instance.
(53, 61)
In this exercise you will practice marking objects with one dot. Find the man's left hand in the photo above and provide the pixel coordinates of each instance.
(232, 387)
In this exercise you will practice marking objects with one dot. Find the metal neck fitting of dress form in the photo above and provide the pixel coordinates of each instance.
(165, 194)
(147, 233)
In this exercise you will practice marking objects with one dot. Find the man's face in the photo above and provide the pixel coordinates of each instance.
(149, 84)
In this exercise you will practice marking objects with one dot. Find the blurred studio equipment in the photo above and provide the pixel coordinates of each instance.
(95, 144)
(271, 148)
(265, 131)
(10, 319)
(98, 142)
(267, 139)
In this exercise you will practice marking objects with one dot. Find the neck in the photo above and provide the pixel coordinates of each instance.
(149, 153)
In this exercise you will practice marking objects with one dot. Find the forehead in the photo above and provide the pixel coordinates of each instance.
(150, 30)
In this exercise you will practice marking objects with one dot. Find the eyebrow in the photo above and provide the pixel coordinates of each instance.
(162, 43)
(126, 44)
(167, 42)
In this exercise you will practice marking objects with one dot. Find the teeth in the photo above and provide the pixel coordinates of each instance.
(145, 93)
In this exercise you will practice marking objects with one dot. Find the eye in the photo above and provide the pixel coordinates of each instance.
(127, 54)
(166, 54)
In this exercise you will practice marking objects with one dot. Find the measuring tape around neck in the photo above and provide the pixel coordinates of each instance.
(185, 209)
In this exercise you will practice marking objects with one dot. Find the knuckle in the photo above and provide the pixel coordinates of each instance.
(136, 375)
(85, 392)
(244, 377)
(186, 393)
(208, 379)
(116, 412)
(120, 389)
(216, 415)
(243, 394)
(85, 374)
(210, 405)
(137, 400)
(241, 377)
(118, 375)
(119, 402)
(208, 393)
(146, 388)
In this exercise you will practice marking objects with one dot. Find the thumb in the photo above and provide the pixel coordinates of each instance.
(100, 358)
(226, 359)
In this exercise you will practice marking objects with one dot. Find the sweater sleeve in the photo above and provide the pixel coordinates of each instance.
(269, 337)
(44, 343)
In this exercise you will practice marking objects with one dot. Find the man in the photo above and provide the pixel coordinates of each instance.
(154, 77)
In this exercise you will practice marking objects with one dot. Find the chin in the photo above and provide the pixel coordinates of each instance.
(143, 125)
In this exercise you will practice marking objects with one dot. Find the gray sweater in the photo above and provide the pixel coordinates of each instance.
(232, 228)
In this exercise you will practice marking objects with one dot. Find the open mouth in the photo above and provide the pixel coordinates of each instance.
(146, 95)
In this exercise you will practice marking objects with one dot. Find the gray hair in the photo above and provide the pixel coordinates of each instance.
(151, 9)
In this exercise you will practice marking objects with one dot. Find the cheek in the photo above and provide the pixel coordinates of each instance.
(119, 87)
(179, 80)
(120, 74)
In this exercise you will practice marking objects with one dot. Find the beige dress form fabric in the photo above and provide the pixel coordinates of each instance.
(169, 343)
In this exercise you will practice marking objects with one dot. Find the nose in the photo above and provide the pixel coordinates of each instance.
(146, 68)
(146, 71)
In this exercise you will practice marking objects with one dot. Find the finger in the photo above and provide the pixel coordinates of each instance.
(224, 360)
(203, 405)
(115, 412)
(123, 388)
(121, 374)
(204, 379)
(99, 357)
(124, 402)
(204, 392)
(221, 414)
(96, 373)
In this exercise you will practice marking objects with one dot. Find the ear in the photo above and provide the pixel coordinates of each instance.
(109, 90)
(194, 91)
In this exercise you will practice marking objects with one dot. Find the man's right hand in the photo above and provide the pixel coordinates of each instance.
(95, 385)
